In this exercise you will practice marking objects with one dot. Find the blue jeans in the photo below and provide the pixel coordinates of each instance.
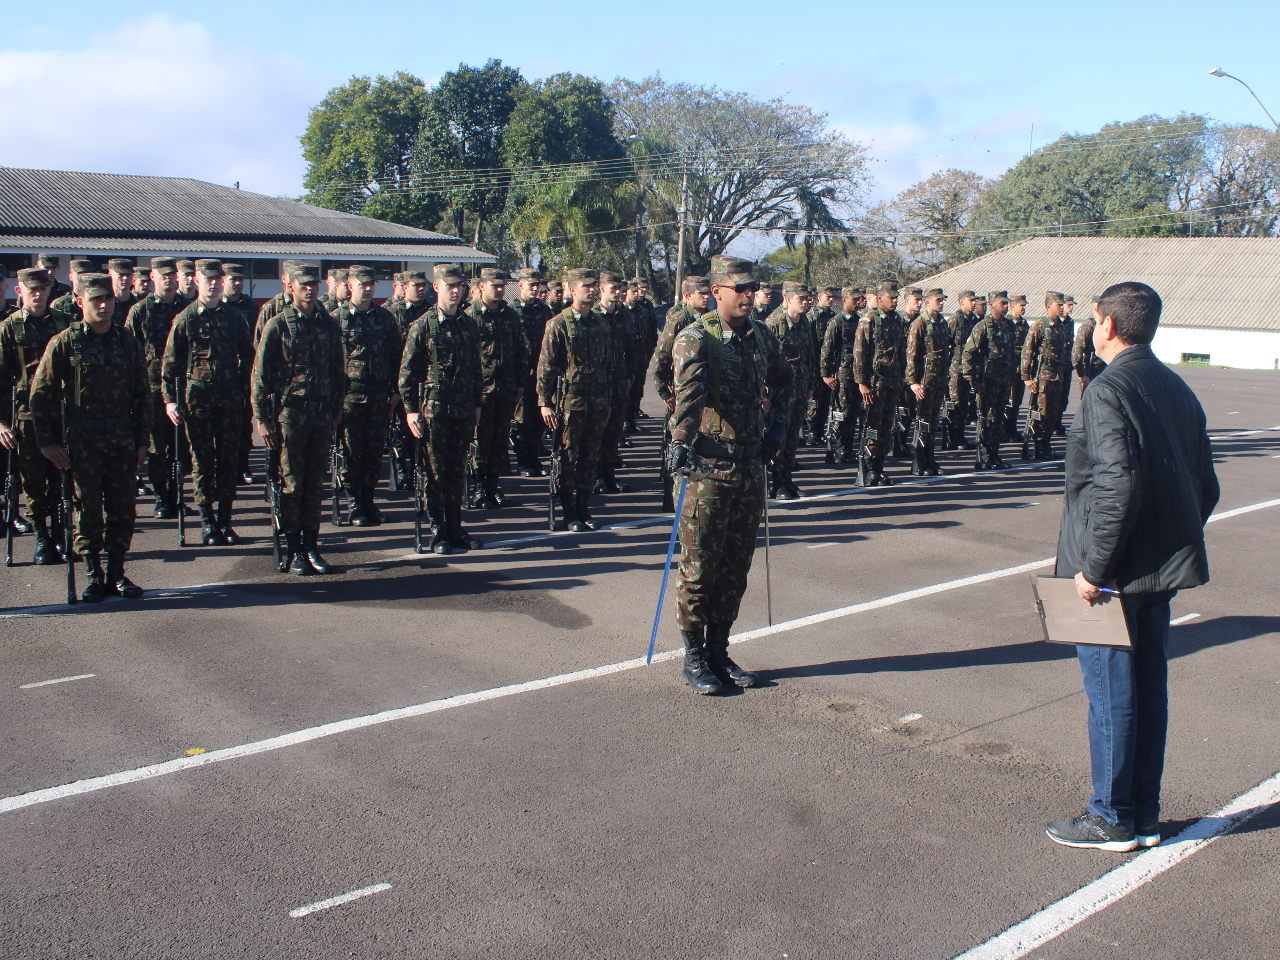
(1128, 693)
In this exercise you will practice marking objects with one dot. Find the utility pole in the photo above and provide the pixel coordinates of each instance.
(684, 208)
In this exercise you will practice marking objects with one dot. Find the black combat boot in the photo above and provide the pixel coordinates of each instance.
(95, 587)
(46, 548)
(775, 484)
(584, 510)
(370, 507)
(229, 536)
(460, 539)
(931, 464)
(918, 466)
(499, 498)
(789, 487)
(210, 534)
(118, 585)
(881, 479)
(312, 549)
(718, 657)
(611, 481)
(866, 471)
(299, 565)
(1047, 453)
(981, 461)
(993, 457)
(439, 534)
(355, 508)
(482, 498)
(697, 672)
(568, 519)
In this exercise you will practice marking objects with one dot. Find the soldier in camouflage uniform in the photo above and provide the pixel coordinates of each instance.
(50, 262)
(534, 314)
(555, 295)
(276, 303)
(233, 295)
(150, 322)
(24, 335)
(1084, 360)
(694, 300)
(68, 305)
(440, 385)
(1046, 371)
(504, 362)
(397, 292)
(790, 326)
(646, 317)
(929, 350)
(371, 347)
(733, 401)
(298, 385)
(912, 300)
(97, 367)
(414, 302)
(879, 368)
(820, 315)
(762, 303)
(575, 392)
(338, 291)
(121, 271)
(625, 342)
(142, 287)
(989, 362)
(186, 281)
(1017, 316)
(959, 398)
(205, 380)
(5, 307)
(835, 365)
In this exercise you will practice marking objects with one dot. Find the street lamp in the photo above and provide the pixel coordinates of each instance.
(1219, 72)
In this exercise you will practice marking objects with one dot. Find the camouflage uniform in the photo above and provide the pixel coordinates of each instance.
(248, 309)
(267, 311)
(401, 440)
(662, 368)
(504, 362)
(929, 350)
(23, 339)
(879, 362)
(150, 322)
(1084, 360)
(835, 360)
(819, 319)
(534, 315)
(371, 349)
(1046, 359)
(989, 362)
(959, 393)
(211, 352)
(722, 376)
(624, 339)
(795, 336)
(1017, 389)
(646, 317)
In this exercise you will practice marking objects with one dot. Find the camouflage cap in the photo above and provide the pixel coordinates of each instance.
(496, 274)
(913, 291)
(610, 276)
(210, 268)
(732, 271)
(120, 265)
(833, 290)
(449, 273)
(634, 284)
(935, 292)
(49, 261)
(852, 291)
(94, 285)
(82, 266)
(1068, 298)
(413, 276)
(339, 274)
(887, 287)
(361, 274)
(234, 270)
(695, 285)
(791, 288)
(995, 295)
(980, 299)
(186, 266)
(164, 265)
(582, 275)
(32, 277)
(968, 295)
(304, 273)
(1053, 296)
(532, 274)
(1018, 298)
(768, 287)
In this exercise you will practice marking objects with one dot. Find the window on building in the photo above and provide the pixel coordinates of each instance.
(1201, 358)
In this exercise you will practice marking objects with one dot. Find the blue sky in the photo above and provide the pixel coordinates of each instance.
(223, 96)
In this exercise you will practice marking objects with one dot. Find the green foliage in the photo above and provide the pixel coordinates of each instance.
(566, 118)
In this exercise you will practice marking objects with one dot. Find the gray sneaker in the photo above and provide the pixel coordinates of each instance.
(1091, 832)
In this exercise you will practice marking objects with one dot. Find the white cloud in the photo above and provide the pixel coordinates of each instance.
(162, 97)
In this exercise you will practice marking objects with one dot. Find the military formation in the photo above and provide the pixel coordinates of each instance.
(137, 379)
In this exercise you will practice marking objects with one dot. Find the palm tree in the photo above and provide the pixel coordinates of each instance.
(812, 216)
(566, 218)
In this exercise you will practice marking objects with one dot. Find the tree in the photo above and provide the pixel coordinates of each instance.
(812, 214)
(570, 220)
(1238, 190)
(566, 118)
(933, 216)
(746, 160)
(358, 146)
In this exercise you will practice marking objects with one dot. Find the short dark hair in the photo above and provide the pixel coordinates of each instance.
(1135, 307)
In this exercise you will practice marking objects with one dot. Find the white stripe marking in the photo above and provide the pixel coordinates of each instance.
(339, 900)
(1057, 918)
(166, 767)
(909, 718)
(48, 683)
(819, 546)
(1183, 619)
(1245, 433)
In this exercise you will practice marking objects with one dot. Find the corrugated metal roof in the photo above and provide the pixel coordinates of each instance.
(1222, 283)
(268, 249)
(63, 203)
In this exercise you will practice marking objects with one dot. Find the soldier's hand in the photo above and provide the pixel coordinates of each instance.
(680, 459)
(57, 456)
(414, 422)
(830, 382)
(1031, 384)
(549, 417)
(174, 413)
(268, 435)
(8, 438)
(867, 393)
(671, 404)
(142, 456)
(391, 404)
(918, 390)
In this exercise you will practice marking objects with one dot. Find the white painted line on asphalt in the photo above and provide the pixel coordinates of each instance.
(49, 683)
(1186, 618)
(1233, 413)
(1057, 918)
(166, 767)
(909, 718)
(339, 900)
(1245, 433)
(1021, 506)
(819, 546)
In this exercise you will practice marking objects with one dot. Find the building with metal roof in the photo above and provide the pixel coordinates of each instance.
(115, 215)
(1220, 293)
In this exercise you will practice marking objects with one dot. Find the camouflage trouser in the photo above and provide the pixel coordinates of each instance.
(784, 461)
(848, 400)
(214, 433)
(106, 482)
(529, 426)
(246, 438)
(927, 409)
(718, 527)
(363, 432)
(619, 411)
(581, 440)
(402, 441)
(447, 442)
(991, 404)
(160, 450)
(880, 415)
(493, 432)
(821, 409)
(304, 463)
(638, 374)
(1049, 401)
(41, 481)
(1017, 390)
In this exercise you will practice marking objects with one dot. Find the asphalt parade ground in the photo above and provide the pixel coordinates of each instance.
(466, 756)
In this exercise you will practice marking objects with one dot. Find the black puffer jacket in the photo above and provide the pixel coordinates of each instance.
(1140, 481)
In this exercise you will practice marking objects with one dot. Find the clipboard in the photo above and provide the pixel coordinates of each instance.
(1068, 619)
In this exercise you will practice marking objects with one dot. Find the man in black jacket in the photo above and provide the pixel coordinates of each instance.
(1139, 487)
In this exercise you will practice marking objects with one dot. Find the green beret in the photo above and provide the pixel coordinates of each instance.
(732, 271)
(163, 265)
(582, 275)
(233, 270)
(82, 266)
(968, 294)
(852, 291)
(887, 287)
(448, 273)
(49, 261)
(791, 288)
(935, 292)
(361, 274)
(998, 295)
(93, 285)
(120, 265)
(1053, 296)
(1018, 298)
(695, 285)
(304, 273)
(33, 277)
(532, 274)
(913, 291)
(210, 268)
(496, 274)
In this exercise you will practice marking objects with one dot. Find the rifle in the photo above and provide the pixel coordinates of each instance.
(469, 473)
(68, 510)
(178, 467)
(419, 493)
(901, 429)
(273, 492)
(1029, 431)
(12, 482)
(337, 461)
(664, 472)
(835, 420)
(865, 436)
(555, 469)
(944, 424)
